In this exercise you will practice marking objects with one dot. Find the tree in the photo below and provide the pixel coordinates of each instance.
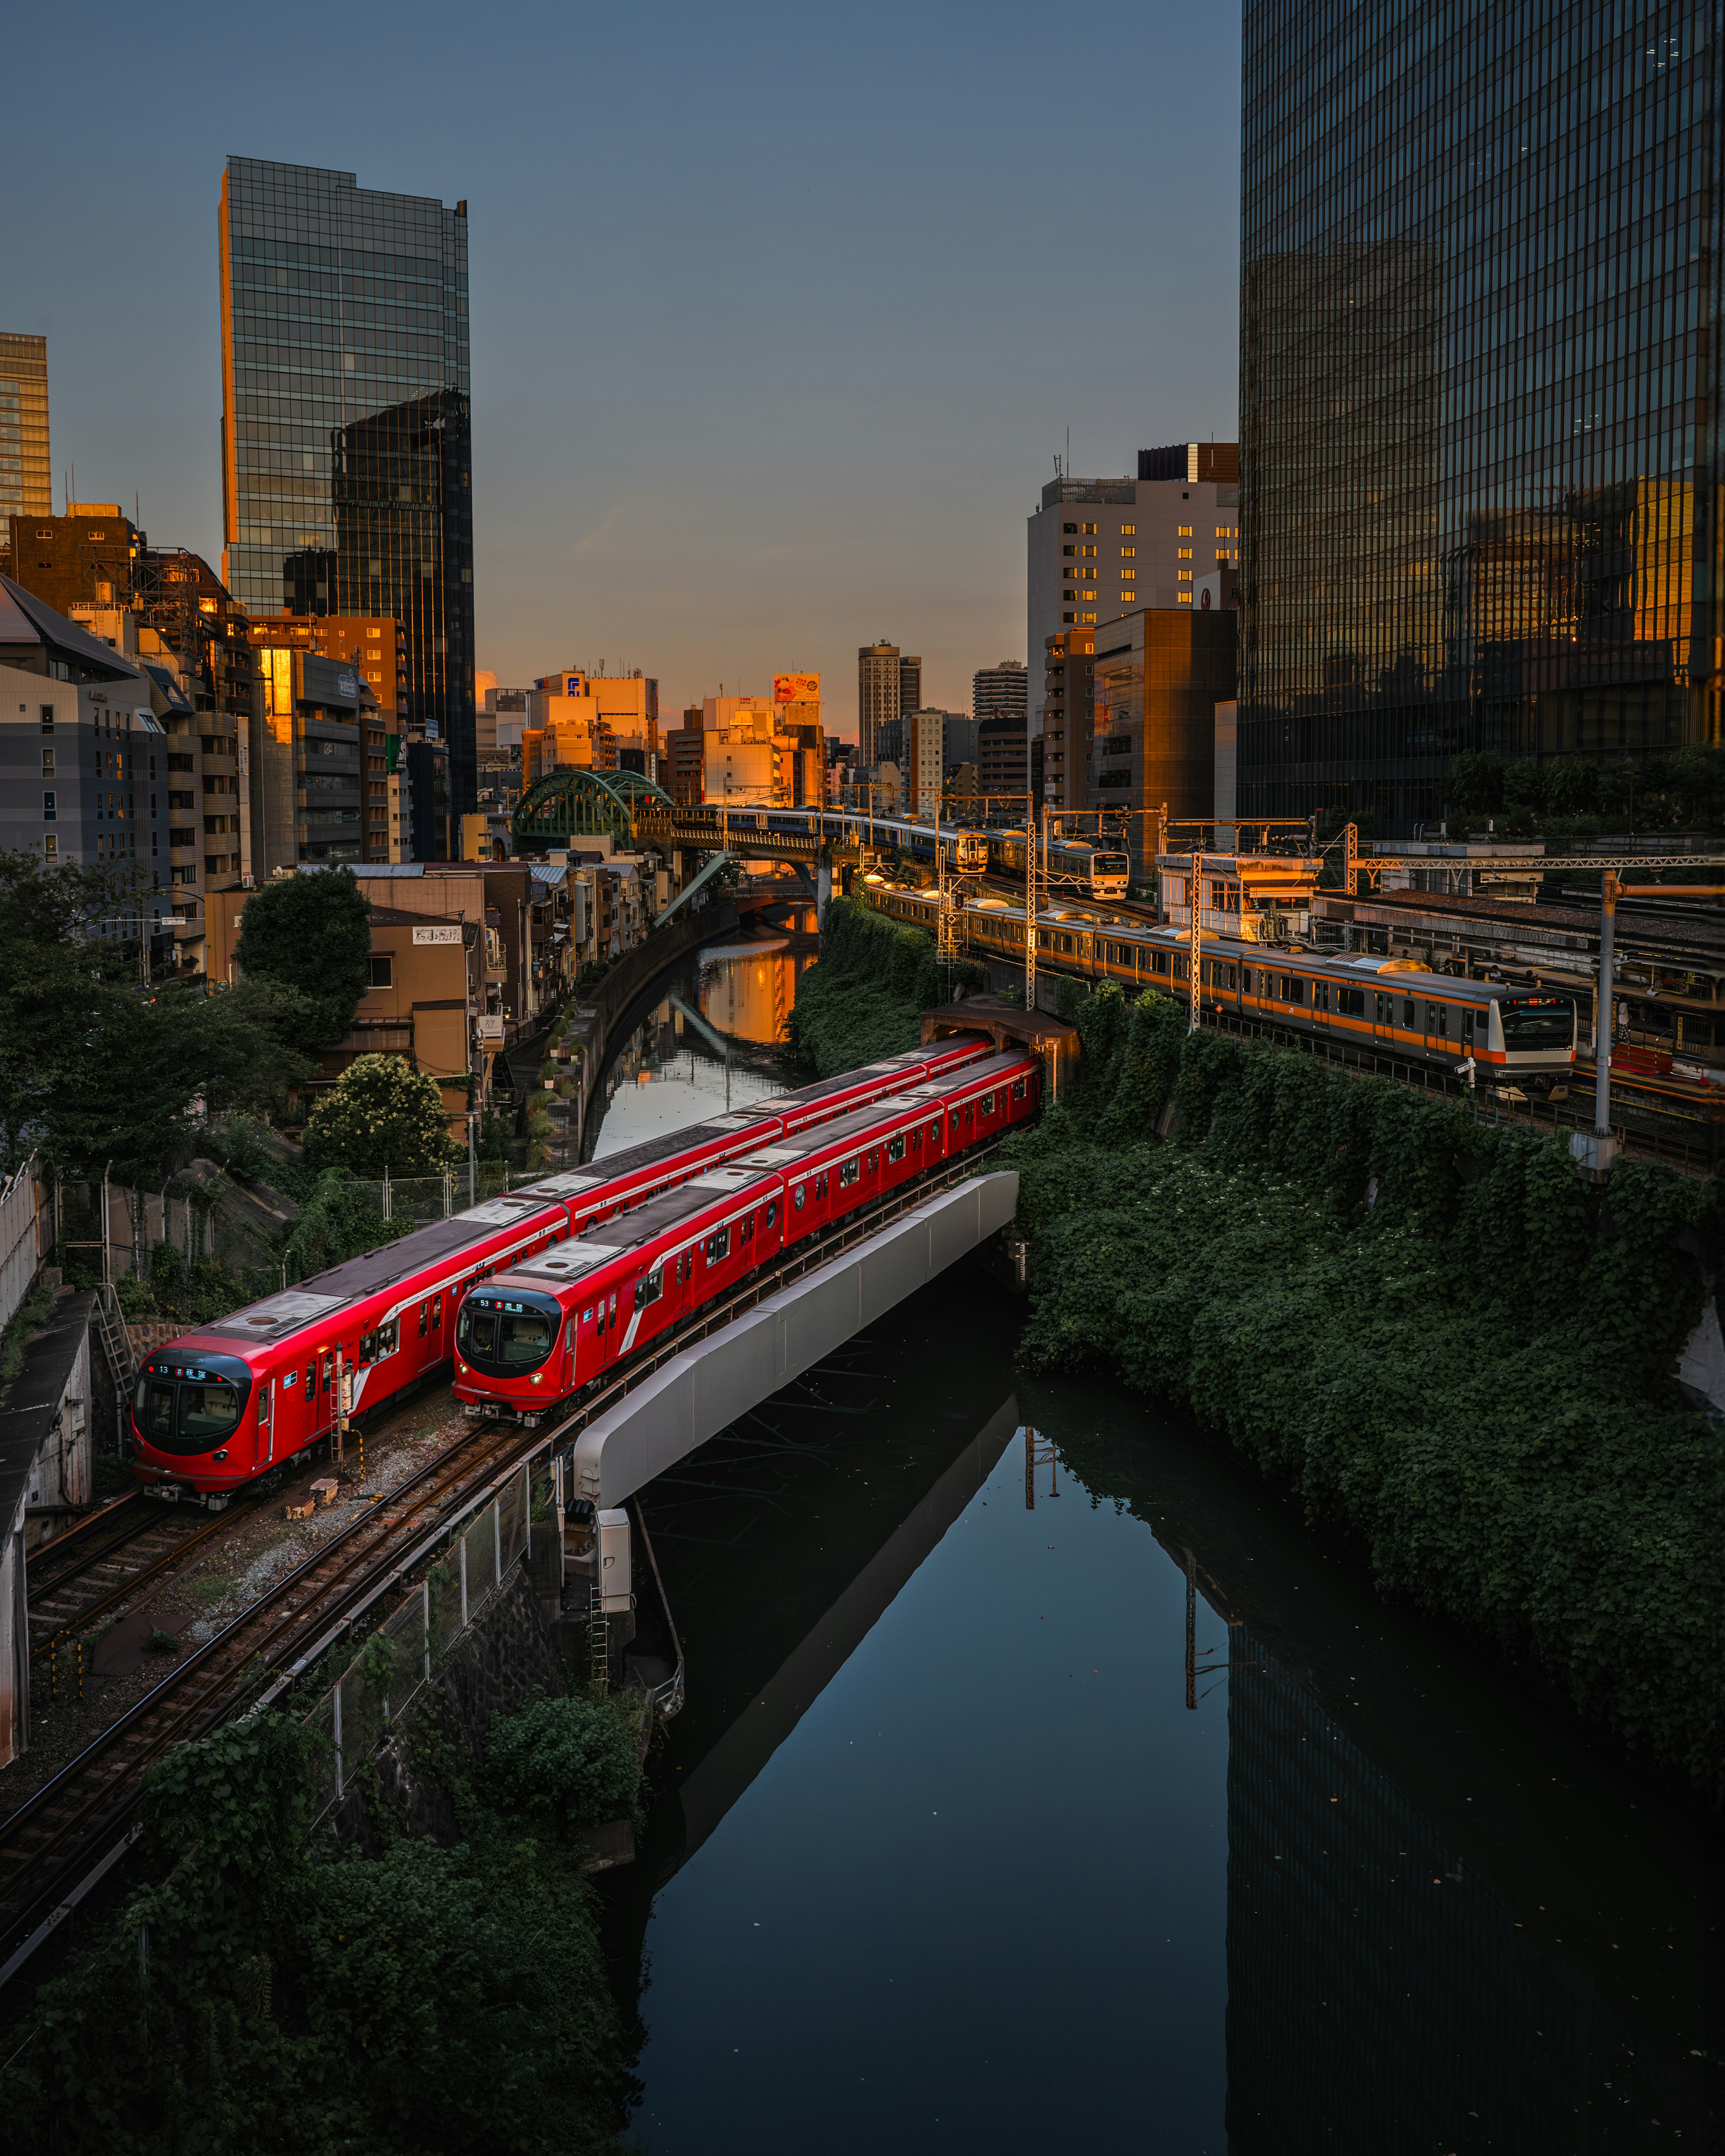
(313, 933)
(381, 1113)
(51, 987)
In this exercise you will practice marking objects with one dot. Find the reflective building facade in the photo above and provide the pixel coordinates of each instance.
(1478, 417)
(345, 465)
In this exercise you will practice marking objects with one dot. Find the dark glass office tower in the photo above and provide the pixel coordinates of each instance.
(1479, 412)
(345, 463)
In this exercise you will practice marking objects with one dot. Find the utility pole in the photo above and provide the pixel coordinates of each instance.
(1195, 962)
(1030, 901)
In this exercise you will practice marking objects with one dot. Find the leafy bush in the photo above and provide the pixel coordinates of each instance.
(381, 1113)
(1450, 1346)
(269, 1995)
(865, 995)
(336, 1221)
(567, 1763)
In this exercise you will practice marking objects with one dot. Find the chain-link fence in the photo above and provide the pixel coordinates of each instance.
(422, 1198)
(397, 1658)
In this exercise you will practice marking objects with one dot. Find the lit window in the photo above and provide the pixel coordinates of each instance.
(1087, 618)
(1128, 531)
(1183, 598)
(51, 847)
(1089, 529)
(1087, 551)
(1127, 597)
(1184, 576)
(1128, 553)
(49, 811)
(1184, 531)
(1183, 554)
(1224, 532)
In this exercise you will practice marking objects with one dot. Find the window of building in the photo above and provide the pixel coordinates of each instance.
(1128, 553)
(1128, 531)
(47, 763)
(47, 718)
(1183, 554)
(48, 810)
(382, 964)
(1183, 598)
(1184, 576)
(1068, 550)
(1090, 528)
(50, 848)
(1088, 552)
(1184, 531)
(1127, 597)
(1069, 527)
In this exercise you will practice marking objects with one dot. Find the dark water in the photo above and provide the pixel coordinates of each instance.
(940, 1858)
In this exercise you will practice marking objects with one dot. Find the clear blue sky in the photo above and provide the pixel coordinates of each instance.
(779, 314)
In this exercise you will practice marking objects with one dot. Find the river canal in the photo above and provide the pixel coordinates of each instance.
(1131, 1819)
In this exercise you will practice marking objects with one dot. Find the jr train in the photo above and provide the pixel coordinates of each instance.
(223, 1404)
(1515, 1035)
(551, 1325)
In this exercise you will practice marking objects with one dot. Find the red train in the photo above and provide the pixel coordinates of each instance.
(221, 1405)
(550, 1325)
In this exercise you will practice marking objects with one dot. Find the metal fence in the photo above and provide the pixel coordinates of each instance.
(422, 1198)
(21, 1230)
(398, 1657)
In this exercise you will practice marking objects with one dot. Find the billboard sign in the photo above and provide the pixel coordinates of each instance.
(796, 688)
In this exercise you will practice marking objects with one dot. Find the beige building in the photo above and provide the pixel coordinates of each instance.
(753, 755)
(924, 761)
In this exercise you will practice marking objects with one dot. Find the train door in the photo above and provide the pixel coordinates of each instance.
(1382, 1017)
(265, 1451)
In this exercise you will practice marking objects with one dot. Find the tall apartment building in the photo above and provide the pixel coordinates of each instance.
(1002, 757)
(1481, 427)
(1069, 682)
(25, 472)
(925, 764)
(1159, 674)
(910, 685)
(346, 438)
(165, 611)
(1168, 537)
(1000, 691)
(878, 687)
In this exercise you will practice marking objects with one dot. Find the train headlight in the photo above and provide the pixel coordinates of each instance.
(538, 1378)
(219, 1457)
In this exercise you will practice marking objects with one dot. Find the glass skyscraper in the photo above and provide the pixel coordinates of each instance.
(345, 467)
(1478, 412)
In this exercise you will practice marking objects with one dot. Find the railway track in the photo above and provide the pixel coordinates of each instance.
(54, 1836)
(81, 1575)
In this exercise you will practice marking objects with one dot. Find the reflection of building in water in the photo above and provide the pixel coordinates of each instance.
(1381, 1997)
(749, 996)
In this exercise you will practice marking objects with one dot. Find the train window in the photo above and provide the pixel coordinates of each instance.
(1351, 1003)
(264, 1392)
(718, 1246)
(310, 1379)
(934, 1132)
(156, 1408)
(208, 1411)
(649, 1287)
(1321, 995)
(524, 1336)
(1437, 1020)
(746, 1229)
(1291, 988)
(772, 1211)
(1384, 1010)
(848, 1172)
(1408, 1018)
(424, 1309)
(1466, 1023)
(1018, 1089)
(896, 1147)
(820, 1184)
(437, 1312)
(799, 1197)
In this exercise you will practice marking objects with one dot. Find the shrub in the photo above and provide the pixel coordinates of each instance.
(381, 1113)
(567, 1762)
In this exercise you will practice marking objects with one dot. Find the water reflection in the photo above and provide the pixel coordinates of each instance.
(711, 1042)
(940, 1857)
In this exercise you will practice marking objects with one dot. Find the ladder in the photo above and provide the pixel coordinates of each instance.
(116, 1347)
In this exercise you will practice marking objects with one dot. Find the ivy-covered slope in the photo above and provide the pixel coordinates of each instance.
(865, 995)
(1451, 1348)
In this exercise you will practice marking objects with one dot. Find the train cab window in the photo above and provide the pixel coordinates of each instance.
(799, 1196)
(649, 1287)
(1351, 1003)
(156, 1409)
(208, 1412)
(896, 1147)
(848, 1172)
(718, 1246)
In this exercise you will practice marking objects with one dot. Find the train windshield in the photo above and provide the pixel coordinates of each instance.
(504, 1335)
(181, 1407)
(1538, 1022)
(1111, 865)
